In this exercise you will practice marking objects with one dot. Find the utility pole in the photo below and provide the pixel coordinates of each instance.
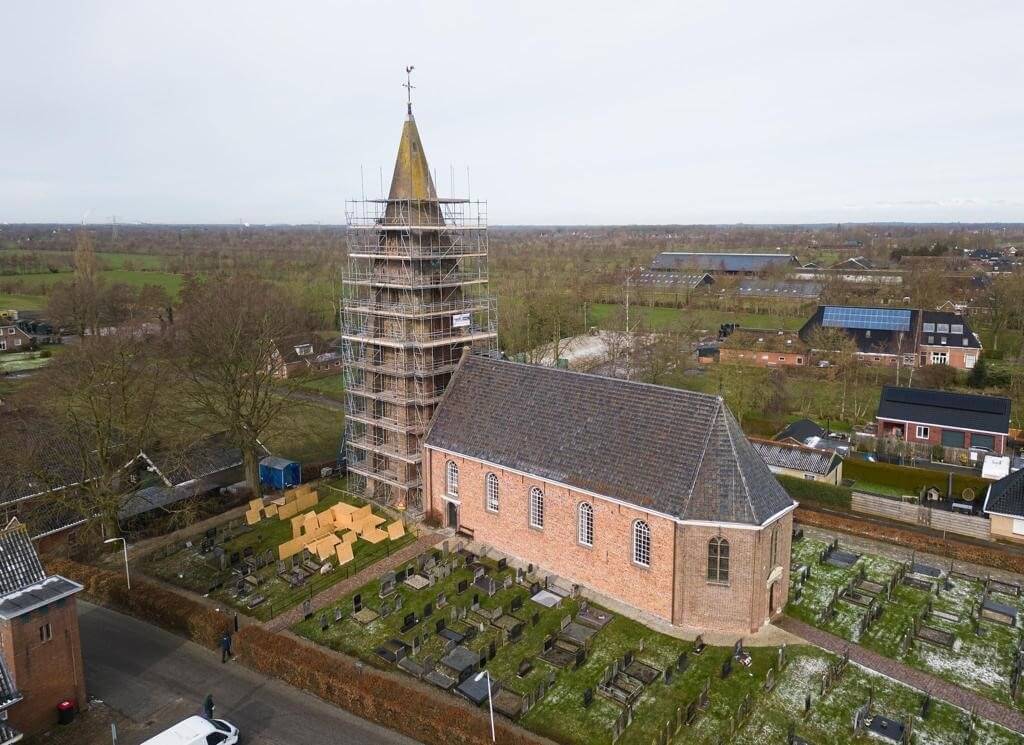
(113, 223)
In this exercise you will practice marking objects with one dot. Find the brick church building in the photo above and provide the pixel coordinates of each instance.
(650, 495)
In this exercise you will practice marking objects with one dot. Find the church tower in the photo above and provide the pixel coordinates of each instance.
(415, 296)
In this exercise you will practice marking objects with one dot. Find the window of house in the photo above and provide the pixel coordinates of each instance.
(983, 442)
(970, 360)
(952, 439)
(585, 526)
(964, 342)
(303, 350)
(799, 360)
(452, 477)
(942, 340)
(45, 633)
(3, 345)
(923, 432)
(1018, 526)
(718, 560)
(491, 487)
(17, 342)
(536, 508)
(642, 543)
(931, 339)
(867, 333)
(940, 358)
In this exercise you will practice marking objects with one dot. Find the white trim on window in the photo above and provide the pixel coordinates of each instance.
(537, 508)
(491, 489)
(922, 432)
(585, 524)
(641, 543)
(451, 470)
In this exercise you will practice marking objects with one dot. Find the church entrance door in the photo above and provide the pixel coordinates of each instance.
(453, 516)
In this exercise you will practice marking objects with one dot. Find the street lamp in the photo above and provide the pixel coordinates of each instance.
(490, 701)
(127, 576)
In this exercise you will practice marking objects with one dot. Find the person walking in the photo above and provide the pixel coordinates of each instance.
(208, 706)
(225, 647)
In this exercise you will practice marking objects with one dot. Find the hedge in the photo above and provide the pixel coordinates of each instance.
(951, 548)
(908, 478)
(804, 490)
(398, 703)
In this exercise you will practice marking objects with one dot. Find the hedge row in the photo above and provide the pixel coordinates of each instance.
(910, 479)
(389, 700)
(950, 548)
(803, 490)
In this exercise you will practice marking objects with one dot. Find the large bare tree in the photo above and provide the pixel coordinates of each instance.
(225, 347)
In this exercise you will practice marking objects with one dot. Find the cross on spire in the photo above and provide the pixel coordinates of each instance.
(408, 86)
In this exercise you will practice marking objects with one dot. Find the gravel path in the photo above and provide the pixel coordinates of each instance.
(938, 688)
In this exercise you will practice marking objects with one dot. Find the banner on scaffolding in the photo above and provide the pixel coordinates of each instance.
(460, 320)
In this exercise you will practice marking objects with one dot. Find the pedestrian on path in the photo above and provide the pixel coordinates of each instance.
(225, 647)
(208, 706)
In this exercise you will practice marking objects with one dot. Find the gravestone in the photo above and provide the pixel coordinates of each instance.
(235, 558)
(525, 668)
(668, 675)
(221, 558)
(517, 603)
(534, 588)
(428, 610)
(549, 642)
(535, 619)
(476, 602)
(502, 564)
(399, 601)
(400, 575)
(357, 602)
(463, 586)
(324, 623)
(581, 657)
(307, 609)
(698, 644)
(440, 625)
(492, 649)
(337, 613)
(442, 600)
(408, 622)
(727, 668)
(588, 697)
(682, 662)
(386, 609)
(387, 584)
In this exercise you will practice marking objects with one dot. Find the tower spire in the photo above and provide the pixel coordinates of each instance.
(408, 87)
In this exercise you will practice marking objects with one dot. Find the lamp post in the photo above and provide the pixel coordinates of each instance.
(127, 576)
(490, 702)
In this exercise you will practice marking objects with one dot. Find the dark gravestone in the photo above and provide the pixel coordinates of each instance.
(727, 667)
(682, 662)
(668, 675)
(463, 586)
(307, 609)
(408, 622)
(235, 558)
(525, 668)
(534, 588)
(400, 575)
(324, 623)
(502, 564)
(428, 610)
(337, 613)
(549, 642)
(516, 632)
(517, 603)
(535, 619)
(588, 697)
(492, 649)
(357, 603)
(440, 625)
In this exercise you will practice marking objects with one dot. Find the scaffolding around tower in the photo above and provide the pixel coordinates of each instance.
(415, 296)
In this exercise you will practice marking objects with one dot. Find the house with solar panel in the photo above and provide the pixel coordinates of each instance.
(39, 639)
(959, 422)
(898, 336)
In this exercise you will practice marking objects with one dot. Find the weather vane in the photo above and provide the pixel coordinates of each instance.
(408, 85)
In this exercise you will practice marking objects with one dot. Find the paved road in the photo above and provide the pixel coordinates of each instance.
(155, 679)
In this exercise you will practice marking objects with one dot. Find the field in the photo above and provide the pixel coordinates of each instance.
(561, 715)
(133, 277)
(332, 386)
(600, 314)
(21, 302)
(311, 434)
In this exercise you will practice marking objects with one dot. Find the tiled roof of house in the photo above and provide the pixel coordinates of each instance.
(37, 595)
(672, 451)
(19, 561)
(801, 430)
(796, 457)
(1006, 496)
(946, 409)
(8, 692)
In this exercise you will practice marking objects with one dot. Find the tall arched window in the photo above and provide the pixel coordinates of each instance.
(536, 507)
(775, 548)
(718, 560)
(491, 487)
(585, 525)
(642, 543)
(452, 476)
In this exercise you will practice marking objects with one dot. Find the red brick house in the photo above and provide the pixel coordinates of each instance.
(38, 634)
(957, 421)
(649, 495)
(13, 339)
(764, 348)
(304, 354)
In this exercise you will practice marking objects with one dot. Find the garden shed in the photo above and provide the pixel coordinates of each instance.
(279, 473)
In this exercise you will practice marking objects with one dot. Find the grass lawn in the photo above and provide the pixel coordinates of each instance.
(600, 314)
(21, 302)
(190, 569)
(332, 386)
(312, 434)
(11, 362)
(135, 278)
(981, 663)
(561, 716)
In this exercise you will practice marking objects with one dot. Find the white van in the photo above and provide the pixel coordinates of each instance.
(197, 731)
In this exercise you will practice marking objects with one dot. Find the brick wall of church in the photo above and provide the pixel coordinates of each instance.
(607, 567)
(675, 587)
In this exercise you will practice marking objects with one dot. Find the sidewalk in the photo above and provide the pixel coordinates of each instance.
(922, 681)
(343, 588)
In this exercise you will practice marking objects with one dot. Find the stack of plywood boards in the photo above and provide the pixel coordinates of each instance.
(255, 512)
(333, 530)
(298, 500)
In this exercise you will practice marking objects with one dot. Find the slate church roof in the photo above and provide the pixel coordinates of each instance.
(675, 452)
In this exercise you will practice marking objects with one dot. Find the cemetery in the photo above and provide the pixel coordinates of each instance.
(576, 673)
(288, 547)
(956, 626)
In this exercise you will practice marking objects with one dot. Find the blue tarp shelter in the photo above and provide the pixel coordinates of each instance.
(279, 473)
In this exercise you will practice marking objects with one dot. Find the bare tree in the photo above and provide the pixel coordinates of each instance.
(1003, 298)
(227, 357)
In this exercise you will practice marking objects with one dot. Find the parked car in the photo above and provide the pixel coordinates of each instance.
(197, 731)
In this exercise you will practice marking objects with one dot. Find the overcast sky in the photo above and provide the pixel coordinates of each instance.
(564, 112)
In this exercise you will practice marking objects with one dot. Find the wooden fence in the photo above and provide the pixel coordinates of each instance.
(951, 522)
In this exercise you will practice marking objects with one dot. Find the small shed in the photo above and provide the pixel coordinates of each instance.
(279, 473)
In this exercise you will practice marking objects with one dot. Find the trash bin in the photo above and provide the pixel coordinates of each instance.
(66, 711)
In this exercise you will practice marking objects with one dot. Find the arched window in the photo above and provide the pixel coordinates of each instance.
(775, 547)
(452, 475)
(491, 487)
(585, 525)
(718, 560)
(536, 507)
(642, 543)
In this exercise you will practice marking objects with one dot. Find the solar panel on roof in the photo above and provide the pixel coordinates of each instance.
(947, 400)
(880, 319)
